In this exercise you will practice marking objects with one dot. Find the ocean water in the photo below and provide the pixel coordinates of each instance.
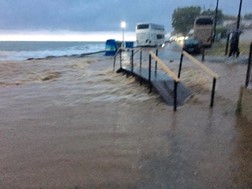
(21, 50)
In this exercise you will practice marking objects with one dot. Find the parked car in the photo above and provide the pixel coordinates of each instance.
(192, 46)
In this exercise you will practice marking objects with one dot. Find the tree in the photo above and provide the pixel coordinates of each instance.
(220, 15)
(183, 18)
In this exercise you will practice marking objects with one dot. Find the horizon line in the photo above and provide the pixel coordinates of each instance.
(66, 36)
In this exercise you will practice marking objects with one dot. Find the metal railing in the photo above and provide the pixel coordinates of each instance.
(132, 51)
(249, 74)
(167, 70)
(158, 62)
(203, 68)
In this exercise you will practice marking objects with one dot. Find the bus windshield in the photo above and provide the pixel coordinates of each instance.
(204, 21)
(142, 26)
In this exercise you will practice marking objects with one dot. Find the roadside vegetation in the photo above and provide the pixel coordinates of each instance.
(219, 48)
(183, 21)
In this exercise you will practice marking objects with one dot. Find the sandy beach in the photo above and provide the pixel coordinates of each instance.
(74, 123)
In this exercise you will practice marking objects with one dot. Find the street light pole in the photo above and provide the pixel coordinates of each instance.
(123, 26)
(123, 37)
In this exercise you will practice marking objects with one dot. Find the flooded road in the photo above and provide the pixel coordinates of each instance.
(73, 123)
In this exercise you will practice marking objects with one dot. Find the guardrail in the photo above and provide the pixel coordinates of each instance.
(203, 68)
(249, 74)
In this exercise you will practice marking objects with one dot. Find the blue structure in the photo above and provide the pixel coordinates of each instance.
(110, 47)
(129, 44)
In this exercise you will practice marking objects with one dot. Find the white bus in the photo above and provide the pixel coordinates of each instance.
(148, 34)
(203, 29)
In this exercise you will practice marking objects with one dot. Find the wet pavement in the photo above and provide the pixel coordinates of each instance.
(87, 127)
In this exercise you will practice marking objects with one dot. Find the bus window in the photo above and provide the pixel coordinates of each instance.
(204, 21)
(143, 26)
(159, 36)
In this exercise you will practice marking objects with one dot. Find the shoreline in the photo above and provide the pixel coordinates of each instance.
(68, 56)
(38, 50)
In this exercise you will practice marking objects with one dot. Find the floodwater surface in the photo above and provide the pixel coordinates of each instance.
(74, 123)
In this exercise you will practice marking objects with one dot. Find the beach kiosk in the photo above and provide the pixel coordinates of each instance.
(110, 47)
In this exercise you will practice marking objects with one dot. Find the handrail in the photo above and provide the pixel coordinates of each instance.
(120, 49)
(164, 66)
(204, 68)
(125, 49)
(159, 62)
(201, 65)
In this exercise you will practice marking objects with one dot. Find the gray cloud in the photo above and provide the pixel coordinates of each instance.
(100, 15)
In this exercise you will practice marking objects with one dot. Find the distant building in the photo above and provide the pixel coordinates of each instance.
(231, 24)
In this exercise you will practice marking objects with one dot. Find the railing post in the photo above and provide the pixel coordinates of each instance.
(248, 76)
(203, 54)
(120, 58)
(141, 56)
(227, 44)
(149, 79)
(114, 62)
(131, 60)
(141, 80)
(180, 64)
(156, 63)
(213, 92)
(175, 96)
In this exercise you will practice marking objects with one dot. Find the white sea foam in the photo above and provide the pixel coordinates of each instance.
(20, 45)
(25, 50)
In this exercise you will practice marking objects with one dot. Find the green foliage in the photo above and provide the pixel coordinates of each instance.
(220, 15)
(218, 48)
(183, 18)
(222, 31)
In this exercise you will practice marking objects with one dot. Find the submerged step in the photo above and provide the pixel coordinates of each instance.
(163, 84)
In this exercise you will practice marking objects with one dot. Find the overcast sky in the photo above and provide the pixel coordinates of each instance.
(99, 15)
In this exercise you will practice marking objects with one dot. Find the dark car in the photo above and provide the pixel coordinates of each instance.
(192, 46)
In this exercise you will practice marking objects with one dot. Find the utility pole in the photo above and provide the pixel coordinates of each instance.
(239, 16)
(237, 35)
(238, 28)
(215, 19)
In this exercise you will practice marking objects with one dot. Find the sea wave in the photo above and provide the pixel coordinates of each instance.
(36, 50)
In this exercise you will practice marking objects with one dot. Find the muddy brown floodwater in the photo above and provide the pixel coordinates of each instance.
(73, 123)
